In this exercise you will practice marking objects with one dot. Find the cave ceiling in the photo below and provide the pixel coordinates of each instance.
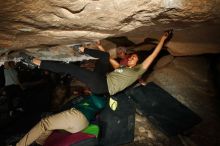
(47, 28)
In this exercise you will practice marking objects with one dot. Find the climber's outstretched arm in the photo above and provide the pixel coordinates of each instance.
(147, 62)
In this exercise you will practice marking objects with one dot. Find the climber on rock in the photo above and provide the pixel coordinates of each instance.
(100, 80)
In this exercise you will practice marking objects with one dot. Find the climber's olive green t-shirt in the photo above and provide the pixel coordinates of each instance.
(121, 78)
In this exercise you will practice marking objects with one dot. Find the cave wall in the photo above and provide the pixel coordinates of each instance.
(190, 80)
(46, 29)
(45, 24)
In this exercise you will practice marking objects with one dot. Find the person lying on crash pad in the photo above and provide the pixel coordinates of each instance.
(76, 118)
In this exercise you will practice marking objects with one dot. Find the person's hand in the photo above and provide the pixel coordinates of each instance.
(36, 61)
(167, 34)
(81, 49)
(98, 43)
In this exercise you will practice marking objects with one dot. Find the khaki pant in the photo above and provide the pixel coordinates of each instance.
(70, 120)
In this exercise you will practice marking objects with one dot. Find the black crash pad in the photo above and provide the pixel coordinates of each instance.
(163, 110)
(117, 127)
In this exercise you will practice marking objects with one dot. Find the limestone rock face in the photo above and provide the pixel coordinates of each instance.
(43, 24)
(190, 81)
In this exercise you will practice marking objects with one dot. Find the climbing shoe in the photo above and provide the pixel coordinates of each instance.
(27, 60)
(76, 47)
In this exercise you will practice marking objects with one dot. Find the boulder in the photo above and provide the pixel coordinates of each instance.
(44, 24)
